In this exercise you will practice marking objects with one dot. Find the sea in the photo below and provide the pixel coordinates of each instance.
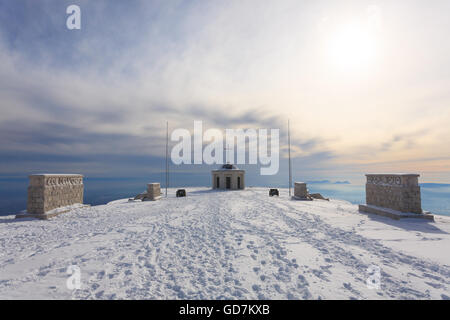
(13, 192)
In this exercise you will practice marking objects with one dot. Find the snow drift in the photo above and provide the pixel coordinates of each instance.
(224, 245)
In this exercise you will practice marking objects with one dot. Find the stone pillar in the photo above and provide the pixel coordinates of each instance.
(394, 195)
(153, 192)
(300, 190)
(50, 191)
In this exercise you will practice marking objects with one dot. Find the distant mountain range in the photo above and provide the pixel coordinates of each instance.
(327, 182)
(434, 185)
(425, 185)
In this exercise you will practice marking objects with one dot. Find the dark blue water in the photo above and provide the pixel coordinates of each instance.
(13, 192)
(435, 197)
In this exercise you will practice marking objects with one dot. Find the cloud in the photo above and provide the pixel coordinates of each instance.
(106, 90)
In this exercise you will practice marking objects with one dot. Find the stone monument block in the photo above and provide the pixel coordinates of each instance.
(394, 193)
(47, 192)
(153, 192)
(300, 190)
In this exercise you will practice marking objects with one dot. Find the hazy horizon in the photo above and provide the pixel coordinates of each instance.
(13, 192)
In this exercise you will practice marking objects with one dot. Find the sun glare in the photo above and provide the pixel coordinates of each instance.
(352, 47)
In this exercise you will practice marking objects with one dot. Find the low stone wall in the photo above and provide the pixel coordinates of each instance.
(50, 191)
(400, 192)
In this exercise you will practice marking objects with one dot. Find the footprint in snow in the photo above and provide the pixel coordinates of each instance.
(101, 275)
(278, 288)
(302, 282)
(435, 285)
(95, 286)
(256, 288)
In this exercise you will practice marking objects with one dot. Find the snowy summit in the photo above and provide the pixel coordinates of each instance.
(225, 245)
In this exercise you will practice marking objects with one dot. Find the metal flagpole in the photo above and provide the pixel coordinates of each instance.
(227, 159)
(289, 151)
(167, 155)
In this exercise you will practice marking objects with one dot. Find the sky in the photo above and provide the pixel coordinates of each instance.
(365, 84)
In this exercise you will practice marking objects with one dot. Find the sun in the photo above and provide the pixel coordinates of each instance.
(352, 47)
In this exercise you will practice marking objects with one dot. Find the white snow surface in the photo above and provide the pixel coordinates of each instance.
(224, 245)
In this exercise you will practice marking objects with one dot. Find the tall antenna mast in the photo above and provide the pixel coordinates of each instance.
(227, 158)
(290, 165)
(167, 155)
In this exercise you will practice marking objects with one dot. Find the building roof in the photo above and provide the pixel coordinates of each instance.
(228, 167)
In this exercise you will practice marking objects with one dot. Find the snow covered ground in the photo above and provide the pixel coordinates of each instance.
(224, 245)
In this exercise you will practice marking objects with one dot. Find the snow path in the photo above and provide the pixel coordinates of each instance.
(223, 245)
